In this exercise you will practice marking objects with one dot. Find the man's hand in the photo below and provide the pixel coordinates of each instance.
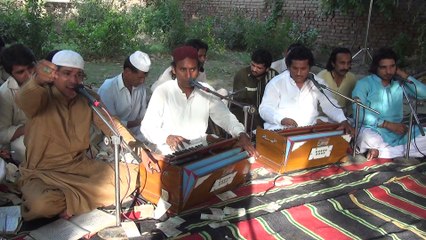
(244, 142)
(401, 73)
(20, 131)
(347, 127)
(398, 128)
(176, 142)
(150, 160)
(288, 122)
(45, 72)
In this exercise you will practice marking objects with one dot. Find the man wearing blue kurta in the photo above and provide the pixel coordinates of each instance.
(385, 135)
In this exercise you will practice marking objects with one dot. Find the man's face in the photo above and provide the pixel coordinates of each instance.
(134, 78)
(202, 56)
(185, 70)
(386, 69)
(343, 64)
(66, 79)
(299, 70)
(22, 73)
(257, 69)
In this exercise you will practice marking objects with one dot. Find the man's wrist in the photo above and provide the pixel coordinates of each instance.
(243, 134)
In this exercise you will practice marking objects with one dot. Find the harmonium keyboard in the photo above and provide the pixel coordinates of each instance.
(299, 148)
(192, 177)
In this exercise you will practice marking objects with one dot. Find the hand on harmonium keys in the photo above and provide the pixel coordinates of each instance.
(176, 142)
(150, 160)
(288, 123)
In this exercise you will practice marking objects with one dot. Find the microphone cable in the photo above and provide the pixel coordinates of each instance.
(413, 126)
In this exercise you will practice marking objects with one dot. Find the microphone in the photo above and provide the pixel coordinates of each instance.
(80, 89)
(238, 91)
(402, 80)
(195, 83)
(315, 82)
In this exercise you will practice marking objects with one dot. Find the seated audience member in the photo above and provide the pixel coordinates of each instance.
(3, 74)
(125, 95)
(384, 135)
(178, 112)
(280, 65)
(249, 85)
(202, 49)
(19, 62)
(57, 178)
(292, 100)
(338, 77)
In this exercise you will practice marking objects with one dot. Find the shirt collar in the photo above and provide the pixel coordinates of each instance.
(120, 82)
(12, 83)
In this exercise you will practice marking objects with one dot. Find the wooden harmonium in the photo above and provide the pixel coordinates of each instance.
(302, 147)
(194, 177)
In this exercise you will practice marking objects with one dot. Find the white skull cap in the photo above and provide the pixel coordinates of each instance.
(68, 58)
(140, 60)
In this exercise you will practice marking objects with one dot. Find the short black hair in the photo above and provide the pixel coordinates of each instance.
(16, 54)
(262, 56)
(333, 56)
(299, 53)
(197, 44)
(382, 53)
(50, 54)
(293, 45)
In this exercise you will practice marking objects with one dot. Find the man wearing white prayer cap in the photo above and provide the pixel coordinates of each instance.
(125, 95)
(57, 177)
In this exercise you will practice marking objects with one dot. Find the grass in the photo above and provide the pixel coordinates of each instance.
(220, 68)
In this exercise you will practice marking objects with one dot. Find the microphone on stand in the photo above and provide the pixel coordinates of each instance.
(315, 82)
(250, 109)
(80, 89)
(195, 83)
(237, 92)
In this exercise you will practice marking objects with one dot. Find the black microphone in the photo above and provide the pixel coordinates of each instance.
(315, 82)
(195, 83)
(80, 89)
(237, 92)
(402, 80)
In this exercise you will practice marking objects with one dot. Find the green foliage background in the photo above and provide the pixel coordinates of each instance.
(100, 30)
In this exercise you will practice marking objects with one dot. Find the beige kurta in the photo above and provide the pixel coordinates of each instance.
(345, 88)
(56, 141)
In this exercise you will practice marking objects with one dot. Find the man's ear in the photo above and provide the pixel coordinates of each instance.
(174, 70)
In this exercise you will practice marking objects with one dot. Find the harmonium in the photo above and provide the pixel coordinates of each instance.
(194, 176)
(299, 148)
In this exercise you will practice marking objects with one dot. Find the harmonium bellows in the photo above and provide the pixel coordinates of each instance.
(299, 148)
(194, 177)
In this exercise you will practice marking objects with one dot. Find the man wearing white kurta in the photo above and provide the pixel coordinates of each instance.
(125, 94)
(178, 112)
(18, 62)
(291, 100)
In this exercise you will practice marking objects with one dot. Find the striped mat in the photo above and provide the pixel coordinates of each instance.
(375, 200)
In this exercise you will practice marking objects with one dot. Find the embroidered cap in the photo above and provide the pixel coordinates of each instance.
(68, 58)
(140, 60)
(181, 53)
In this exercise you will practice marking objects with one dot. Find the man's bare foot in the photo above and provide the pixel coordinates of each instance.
(372, 153)
(65, 215)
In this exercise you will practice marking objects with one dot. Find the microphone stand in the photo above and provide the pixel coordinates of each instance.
(116, 140)
(354, 158)
(247, 109)
(406, 159)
